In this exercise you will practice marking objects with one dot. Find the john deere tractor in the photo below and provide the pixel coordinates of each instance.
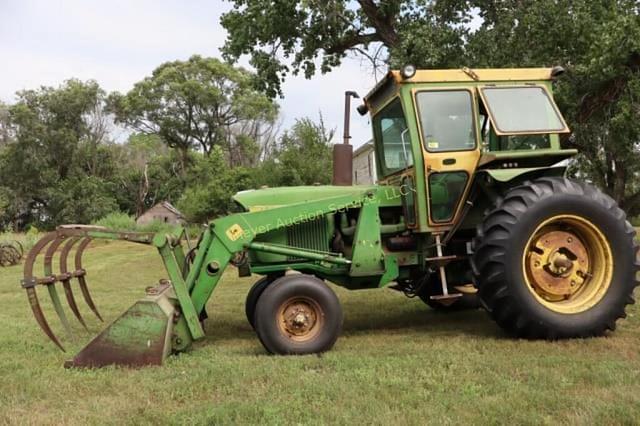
(472, 208)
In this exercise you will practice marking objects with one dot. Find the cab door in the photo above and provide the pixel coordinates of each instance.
(395, 157)
(447, 120)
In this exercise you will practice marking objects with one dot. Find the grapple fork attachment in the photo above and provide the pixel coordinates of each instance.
(67, 237)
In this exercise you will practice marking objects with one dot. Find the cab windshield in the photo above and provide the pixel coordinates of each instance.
(446, 119)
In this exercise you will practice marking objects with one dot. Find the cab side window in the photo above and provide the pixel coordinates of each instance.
(394, 143)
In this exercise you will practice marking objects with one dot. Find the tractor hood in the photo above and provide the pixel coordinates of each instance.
(268, 198)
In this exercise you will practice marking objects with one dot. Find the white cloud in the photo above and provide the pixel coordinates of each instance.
(120, 42)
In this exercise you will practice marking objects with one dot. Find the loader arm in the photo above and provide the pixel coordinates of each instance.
(232, 234)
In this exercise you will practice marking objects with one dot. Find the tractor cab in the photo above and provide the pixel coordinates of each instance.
(437, 131)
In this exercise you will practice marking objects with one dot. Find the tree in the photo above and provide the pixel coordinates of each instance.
(324, 32)
(302, 157)
(211, 182)
(80, 199)
(210, 188)
(44, 171)
(193, 104)
(139, 158)
(252, 142)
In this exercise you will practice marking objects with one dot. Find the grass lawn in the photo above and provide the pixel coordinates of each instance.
(397, 362)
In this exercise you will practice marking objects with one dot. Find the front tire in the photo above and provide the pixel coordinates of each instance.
(252, 298)
(298, 314)
(555, 259)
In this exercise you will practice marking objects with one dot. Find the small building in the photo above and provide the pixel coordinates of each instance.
(364, 165)
(161, 212)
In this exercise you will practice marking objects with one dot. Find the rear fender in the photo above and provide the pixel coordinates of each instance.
(513, 177)
(491, 184)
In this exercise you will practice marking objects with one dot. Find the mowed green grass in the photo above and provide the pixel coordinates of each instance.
(397, 362)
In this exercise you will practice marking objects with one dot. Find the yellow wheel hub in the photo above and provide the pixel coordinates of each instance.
(300, 319)
(568, 264)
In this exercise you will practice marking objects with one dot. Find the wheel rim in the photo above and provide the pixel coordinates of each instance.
(568, 264)
(300, 319)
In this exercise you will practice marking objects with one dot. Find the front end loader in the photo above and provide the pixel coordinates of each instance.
(472, 209)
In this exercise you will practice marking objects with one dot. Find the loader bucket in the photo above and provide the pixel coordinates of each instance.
(144, 335)
(141, 336)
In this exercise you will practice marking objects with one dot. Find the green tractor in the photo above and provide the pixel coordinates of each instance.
(472, 208)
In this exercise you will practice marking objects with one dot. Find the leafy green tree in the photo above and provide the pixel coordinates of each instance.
(318, 35)
(302, 157)
(80, 199)
(211, 184)
(9, 208)
(166, 182)
(193, 104)
(139, 160)
(56, 147)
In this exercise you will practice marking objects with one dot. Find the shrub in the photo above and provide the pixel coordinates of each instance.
(123, 222)
(156, 226)
(118, 221)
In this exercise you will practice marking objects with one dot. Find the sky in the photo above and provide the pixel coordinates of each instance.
(118, 42)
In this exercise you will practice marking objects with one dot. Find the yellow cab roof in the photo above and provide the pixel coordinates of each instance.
(466, 75)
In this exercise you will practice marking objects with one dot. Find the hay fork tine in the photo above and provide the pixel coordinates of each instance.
(80, 274)
(39, 315)
(29, 283)
(65, 278)
(51, 280)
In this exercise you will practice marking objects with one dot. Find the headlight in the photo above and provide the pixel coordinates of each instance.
(408, 71)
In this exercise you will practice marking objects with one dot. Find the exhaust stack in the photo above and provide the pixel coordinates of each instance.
(343, 153)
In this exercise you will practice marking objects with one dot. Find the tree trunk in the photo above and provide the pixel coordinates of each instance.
(382, 23)
(619, 184)
(143, 191)
(183, 158)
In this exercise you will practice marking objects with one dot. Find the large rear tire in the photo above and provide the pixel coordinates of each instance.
(298, 314)
(555, 259)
